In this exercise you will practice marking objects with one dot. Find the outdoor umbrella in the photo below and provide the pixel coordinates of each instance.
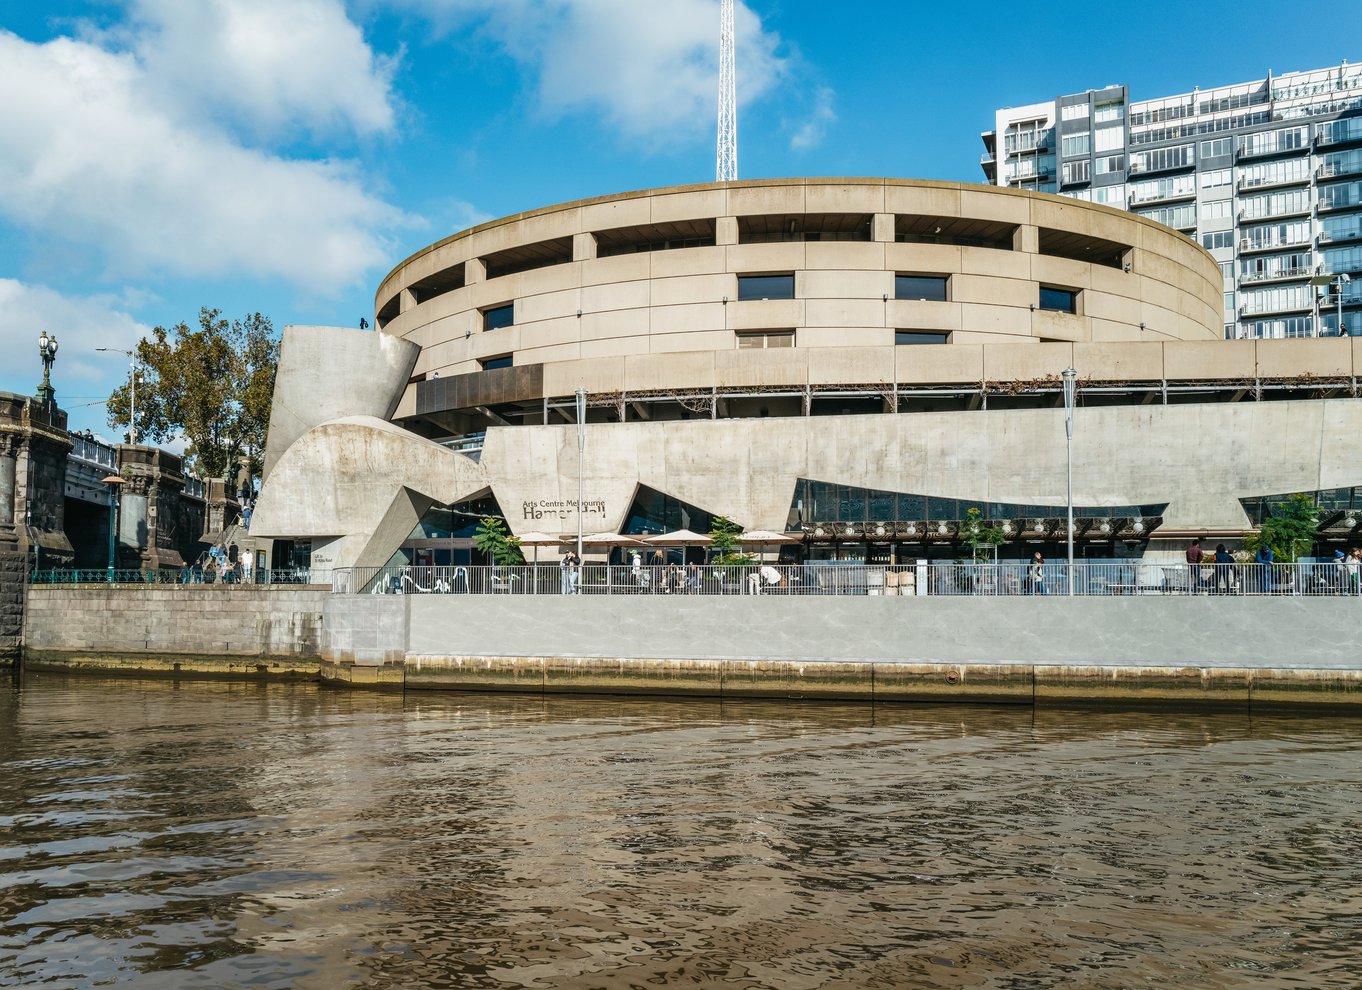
(761, 537)
(538, 540)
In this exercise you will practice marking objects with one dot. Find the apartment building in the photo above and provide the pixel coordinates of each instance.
(1266, 175)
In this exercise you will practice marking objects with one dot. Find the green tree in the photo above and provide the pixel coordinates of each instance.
(492, 538)
(212, 384)
(1290, 531)
(978, 537)
(725, 538)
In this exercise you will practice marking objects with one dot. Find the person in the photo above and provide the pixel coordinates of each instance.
(672, 584)
(247, 566)
(567, 568)
(1340, 579)
(771, 577)
(197, 571)
(1036, 574)
(1224, 570)
(636, 568)
(1354, 568)
(692, 578)
(1194, 557)
(1262, 560)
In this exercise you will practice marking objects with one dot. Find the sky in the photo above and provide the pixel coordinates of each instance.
(281, 156)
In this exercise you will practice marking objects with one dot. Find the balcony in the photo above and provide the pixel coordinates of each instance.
(1338, 170)
(1341, 236)
(1162, 196)
(1274, 309)
(1271, 181)
(1325, 206)
(1302, 210)
(1247, 246)
(1268, 150)
(1279, 275)
(1333, 136)
(1138, 168)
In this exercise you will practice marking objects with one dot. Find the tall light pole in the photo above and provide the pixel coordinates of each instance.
(581, 459)
(47, 350)
(1070, 387)
(1343, 279)
(132, 395)
(113, 481)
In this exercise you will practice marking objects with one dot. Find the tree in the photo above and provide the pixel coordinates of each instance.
(492, 539)
(978, 537)
(1290, 531)
(213, 385)
(724, 538)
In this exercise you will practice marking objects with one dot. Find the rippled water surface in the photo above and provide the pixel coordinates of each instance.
(207, 835)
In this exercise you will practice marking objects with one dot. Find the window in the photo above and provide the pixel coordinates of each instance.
(1109, 112)
(1075, 144)
(920, 337)
(1161, 159)
(1214, 178)
(931, 288)
(1079, 171)
(1218, 148)
(1074, 111)
(492, 363)
(765, 339)
(1219, 239)
(1109, 139)
(1058, 300)
(765, 287)
(1111, 196)
(1114, 163)
(496, 317)
(1215, 209)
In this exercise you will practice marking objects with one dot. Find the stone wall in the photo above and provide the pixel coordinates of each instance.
(206, 620)
(11, 604)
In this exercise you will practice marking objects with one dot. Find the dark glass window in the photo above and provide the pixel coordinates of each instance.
(920, 337)
(654, 512)
(498, 316)
(929, 287)
(765, 287)
(491, 363)
(1059, 300)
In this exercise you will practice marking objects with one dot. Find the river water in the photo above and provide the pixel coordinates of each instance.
(155, 834)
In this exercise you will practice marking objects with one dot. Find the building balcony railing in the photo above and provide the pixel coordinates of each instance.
(1327, 206)
(1277, 275)
(1332, 136)
(1271, 181)
(1267, 151)
(1140, 168)
(1336, 170)
(1341, 236)
(1281, 213)
(1248, 310)
(1162, 196)
(1247, 246)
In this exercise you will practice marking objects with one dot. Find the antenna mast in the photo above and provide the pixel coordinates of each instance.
(726, 167)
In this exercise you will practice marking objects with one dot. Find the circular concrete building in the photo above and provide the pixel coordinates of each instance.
(856, 363)
(760, 293)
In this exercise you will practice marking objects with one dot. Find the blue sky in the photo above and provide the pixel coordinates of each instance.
(283, 155)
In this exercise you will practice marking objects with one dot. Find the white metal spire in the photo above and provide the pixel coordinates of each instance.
(726, 167)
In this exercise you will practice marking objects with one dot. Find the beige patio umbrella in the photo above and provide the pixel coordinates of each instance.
(679, 538)
(763, 537)
(538, 540)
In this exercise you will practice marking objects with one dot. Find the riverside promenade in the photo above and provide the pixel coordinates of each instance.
(1219, 652)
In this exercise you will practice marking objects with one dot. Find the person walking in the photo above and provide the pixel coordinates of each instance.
(1354, 568)
(1340, 580)
(567, 572)
(1194, 557)
(1224, 570)
(1036, 574)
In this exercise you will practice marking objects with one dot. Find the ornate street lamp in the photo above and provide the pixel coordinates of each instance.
(113, 481)
(47, 350)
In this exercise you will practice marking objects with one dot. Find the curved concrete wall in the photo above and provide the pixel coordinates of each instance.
(665, 302)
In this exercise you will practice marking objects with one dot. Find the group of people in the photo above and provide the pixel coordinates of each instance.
(1345, 579)
(221, 564)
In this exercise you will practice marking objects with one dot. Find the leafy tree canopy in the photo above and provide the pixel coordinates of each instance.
(725, 540)
(493, 539)
(213, 384)
(1290, 530)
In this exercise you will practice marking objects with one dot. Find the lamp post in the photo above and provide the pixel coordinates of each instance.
(1343, 279)
(1070, 386)
(581, 457)
(113, 481)
(132, 394)
(47, 350)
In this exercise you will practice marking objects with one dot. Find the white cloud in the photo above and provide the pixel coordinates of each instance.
(651, 68)
(80, 324)
(810, 133)
(268, 65)
(89, 160)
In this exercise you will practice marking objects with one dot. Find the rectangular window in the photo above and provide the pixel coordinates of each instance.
(1214, 178)
(492, 363)
(931, 288)
(1109, 139)
(1108, 112)
(920, 337)
(765, 339)
(1216, 209)
(1079, 171)
(1114, 163)
(1218, 148)
(1058, 300)
(1074, 111)
(1219, 239)
(496, 317)
(765, 287)
(1073, 145)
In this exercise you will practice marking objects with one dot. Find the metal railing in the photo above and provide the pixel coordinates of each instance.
(1008, 578)
(187, 575)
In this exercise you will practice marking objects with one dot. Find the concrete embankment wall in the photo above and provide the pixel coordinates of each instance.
(184, 629)
(1214, 651)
